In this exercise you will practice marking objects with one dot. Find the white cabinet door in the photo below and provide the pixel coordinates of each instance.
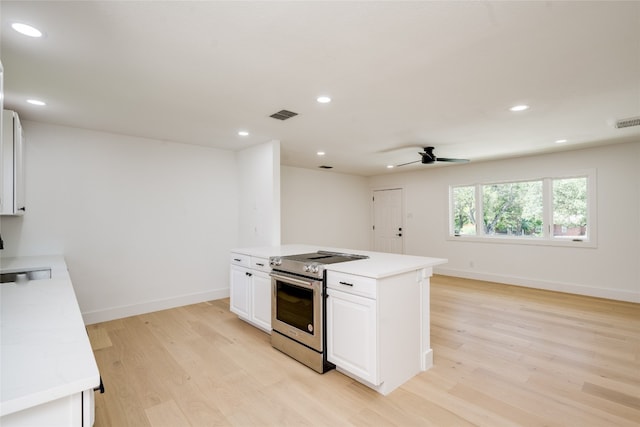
(261, 297)
(240, 291)
(63, 412)
(12, 191)
(352, 338)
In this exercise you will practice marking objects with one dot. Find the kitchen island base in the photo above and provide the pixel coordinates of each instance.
(375, 328)
(377, 313)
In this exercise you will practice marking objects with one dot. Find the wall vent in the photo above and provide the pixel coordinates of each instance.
(283, 115)
(625, 123)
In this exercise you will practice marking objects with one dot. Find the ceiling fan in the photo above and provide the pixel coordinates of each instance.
(428, 157)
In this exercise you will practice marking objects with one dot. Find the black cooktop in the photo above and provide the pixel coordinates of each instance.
(324, 257)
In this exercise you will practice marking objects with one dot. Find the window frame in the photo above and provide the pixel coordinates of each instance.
(547, 238)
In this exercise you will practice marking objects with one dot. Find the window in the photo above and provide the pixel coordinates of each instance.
(557, 210)
(464, 210)
(570, 207)
(512, 209)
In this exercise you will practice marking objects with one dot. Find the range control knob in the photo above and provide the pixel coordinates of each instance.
(275, 261)
(307, 268)
(313, 268)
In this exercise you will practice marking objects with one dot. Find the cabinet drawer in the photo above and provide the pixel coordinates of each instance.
(349, 283)
(260, 264)
(240, 259)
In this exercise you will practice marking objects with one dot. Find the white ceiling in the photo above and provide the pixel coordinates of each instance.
(401, 74)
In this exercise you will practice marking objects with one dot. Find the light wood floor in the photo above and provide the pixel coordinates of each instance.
(504, 356)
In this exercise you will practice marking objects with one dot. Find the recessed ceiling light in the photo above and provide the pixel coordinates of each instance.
(36, 102)
(26, 30)
(323, 99)
(243, 133)
(519, 107)
(320, 153)
(560, 141)
(389, 166)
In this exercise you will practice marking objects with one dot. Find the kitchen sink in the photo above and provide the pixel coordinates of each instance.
(25, 275)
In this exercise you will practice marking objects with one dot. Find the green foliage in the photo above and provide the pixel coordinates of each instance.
(517, 208)
(464, 208)
(570, 202)
(513, 208)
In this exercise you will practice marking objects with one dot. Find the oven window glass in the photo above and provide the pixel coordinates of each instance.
(294, 306)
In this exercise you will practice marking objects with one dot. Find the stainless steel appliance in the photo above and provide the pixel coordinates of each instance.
(298, 305)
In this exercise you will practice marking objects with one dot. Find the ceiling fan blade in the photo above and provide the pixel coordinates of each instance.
(404, 164)
(445, 159)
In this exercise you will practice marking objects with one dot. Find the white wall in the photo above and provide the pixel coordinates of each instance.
(325, 208)
(143, 224)
(611, 270)
(259, 194)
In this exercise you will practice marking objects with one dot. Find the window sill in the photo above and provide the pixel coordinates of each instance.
(531, 241)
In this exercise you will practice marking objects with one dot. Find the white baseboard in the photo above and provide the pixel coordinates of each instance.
(97, 316)
(427, 360)
(571, 288)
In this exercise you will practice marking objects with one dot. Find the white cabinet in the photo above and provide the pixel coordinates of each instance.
(374, 331)
(250, 290)
(76, 410)
(261, 298)
(240, 291)
(12, 195)
(352, 339)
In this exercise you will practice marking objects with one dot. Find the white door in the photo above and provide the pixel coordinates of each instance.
(387, 221)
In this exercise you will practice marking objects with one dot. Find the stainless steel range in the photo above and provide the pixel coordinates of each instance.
(298, 305)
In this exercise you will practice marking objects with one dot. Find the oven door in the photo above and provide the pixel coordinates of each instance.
(296, 309)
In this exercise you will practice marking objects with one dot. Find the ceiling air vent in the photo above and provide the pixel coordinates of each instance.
(625, 123)
(283, 115)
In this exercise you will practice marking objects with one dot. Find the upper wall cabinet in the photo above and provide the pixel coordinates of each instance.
(12, 197)
(1, 134)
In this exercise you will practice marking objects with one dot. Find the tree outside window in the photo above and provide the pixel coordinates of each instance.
(464, 210)
(513, 209)
(570, 207)
(539, 210)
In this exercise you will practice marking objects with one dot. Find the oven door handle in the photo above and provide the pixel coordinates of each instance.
(293, 280)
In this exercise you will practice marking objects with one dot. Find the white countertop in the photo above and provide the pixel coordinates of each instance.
(377, 266)
(45, 350)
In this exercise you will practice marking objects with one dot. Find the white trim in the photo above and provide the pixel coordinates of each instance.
(517, 240)
(571, 288)
(120, 312)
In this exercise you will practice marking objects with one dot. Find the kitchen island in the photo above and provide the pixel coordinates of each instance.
(377, 311)
(48, 371)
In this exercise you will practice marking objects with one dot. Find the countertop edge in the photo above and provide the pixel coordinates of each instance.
(379, 264)
(89, 378)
